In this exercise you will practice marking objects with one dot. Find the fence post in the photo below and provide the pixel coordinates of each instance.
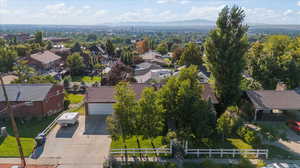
(221, 153)
(267, 153)
(209, 153)
(198, 152)
(257, 153)
(233, 154)
(171, 146)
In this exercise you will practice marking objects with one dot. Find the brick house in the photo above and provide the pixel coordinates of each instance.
(33, 100)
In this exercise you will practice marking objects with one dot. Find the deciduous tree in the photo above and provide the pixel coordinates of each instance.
(225, 50)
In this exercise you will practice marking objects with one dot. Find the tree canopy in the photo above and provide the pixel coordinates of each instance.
(225, 49)
(75, 63)
(191, 55)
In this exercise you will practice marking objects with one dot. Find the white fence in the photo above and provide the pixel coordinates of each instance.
(230, 152)
(142, 151)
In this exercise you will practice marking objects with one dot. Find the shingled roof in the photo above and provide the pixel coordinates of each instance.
(45, 57)
(105, 94)
(272, 99)
(25, 92)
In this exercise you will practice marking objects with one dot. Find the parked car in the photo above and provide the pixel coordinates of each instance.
(294, 125)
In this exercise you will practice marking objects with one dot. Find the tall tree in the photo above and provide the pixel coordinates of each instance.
(162, 48)
(185, 109)
(38, 37)
(150, 114)
(127, 56)
(7, 59)
(191, 55)
(75, 63)
(124, 116)
(76, 48)
(110, 48)
(23, 71)
(225, 50)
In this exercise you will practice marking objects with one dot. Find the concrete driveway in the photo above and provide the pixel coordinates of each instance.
(85, 145)
(293, 144)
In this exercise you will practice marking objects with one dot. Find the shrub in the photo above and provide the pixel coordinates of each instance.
(249, 136)
(210, 164)
(150, 165)
(260, 163)
(244, 163)
(66, 104)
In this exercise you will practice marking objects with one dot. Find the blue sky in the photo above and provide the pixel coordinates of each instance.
(90, 12)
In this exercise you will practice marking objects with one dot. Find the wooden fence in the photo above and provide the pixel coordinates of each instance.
(229, 152)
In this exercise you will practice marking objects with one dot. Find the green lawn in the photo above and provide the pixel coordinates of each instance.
(238, 143)
(8, 147)
(28, 131)
(74, 98)
(86, 79)
(80, 110)
(132, 143)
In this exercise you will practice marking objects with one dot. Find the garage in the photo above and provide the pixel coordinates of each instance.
(100, 100)
(100, 108)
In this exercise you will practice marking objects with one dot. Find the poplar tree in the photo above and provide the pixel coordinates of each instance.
(225, 50)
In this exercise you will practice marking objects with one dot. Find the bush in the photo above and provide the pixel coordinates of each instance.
(244, 163)
(260, 163)
(66, 104)
(249, 136)
(210, 164)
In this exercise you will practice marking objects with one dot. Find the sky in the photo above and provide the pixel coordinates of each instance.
(93, 12)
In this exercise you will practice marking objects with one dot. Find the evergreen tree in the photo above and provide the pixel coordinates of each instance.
(38, 37)
(7, 59)
(225, 50)
(110, 48)
(76, 48)
(75, 63)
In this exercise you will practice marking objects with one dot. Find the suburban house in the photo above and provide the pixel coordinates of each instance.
(33, 100)
(269, 104)
(57, 40)
(154, 57)
(100, 100)
(145, 67)
(153, 74)
(19, 37)
(45, 60)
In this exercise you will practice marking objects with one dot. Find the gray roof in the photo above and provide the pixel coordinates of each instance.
(26, 92)
(272, 99)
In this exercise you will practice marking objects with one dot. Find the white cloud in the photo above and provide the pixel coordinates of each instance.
(101, 13)
(298, 3)
(205, 12)
(288, 12)
(3, 3)
(86, 7)
(165, 1)
(183, 2)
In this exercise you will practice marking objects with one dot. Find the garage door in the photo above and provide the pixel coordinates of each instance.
(100, 108)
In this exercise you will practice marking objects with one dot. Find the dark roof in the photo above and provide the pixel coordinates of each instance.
(208, 93)
(272, 99)
(45, 57)
(26, 92)
(105, 94)
(145, 67)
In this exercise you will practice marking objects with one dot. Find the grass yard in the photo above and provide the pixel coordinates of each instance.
(86, 79)
(8, 147)
(238, 143)
(74, 98)
(28, 131)
(80, 110)
(132, 143)
(145, 143)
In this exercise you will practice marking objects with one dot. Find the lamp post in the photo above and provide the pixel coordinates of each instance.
(14, 125)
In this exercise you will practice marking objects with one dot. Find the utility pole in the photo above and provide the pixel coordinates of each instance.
(14, 125)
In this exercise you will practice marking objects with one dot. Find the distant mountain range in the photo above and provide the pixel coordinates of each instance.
(195, 22)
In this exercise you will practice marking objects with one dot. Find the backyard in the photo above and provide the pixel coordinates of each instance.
(74, 98)
(28, 131)
(86, 79)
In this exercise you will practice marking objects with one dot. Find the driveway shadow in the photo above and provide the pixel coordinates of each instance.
(66, 132)
(95, 125)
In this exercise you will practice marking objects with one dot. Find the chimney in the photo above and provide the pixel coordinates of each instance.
(281, 86)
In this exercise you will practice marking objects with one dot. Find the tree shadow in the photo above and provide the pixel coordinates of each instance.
(38, 152)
